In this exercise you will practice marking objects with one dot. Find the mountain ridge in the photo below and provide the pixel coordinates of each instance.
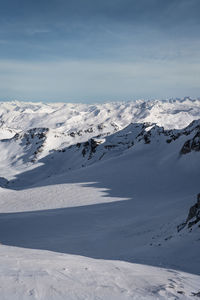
(111, 187)
(71, 116)
(26, 149)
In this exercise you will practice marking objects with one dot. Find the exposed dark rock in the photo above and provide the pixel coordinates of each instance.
(193, 215)
(100, 126)
(72, 134)
(116, 127)
(93, 146)
(3, 182)
(86, 144)
(89, 130)
(147, 139)
(186, 148)
(89, 147)
(39, 133)
(109, 146)
(84, 152)
(192, 144)
(61, 150)
(16, 136)
(196, 294)
(169, 141)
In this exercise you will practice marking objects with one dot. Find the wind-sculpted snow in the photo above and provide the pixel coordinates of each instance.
(30, 274)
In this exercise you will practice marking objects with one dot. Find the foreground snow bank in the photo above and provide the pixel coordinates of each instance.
(35, 274)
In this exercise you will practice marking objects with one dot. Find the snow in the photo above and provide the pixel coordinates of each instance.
(71, 116)
(33, 274)
(96, 199)
(115, 209)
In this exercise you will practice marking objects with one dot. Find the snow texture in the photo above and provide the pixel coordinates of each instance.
(99, 191)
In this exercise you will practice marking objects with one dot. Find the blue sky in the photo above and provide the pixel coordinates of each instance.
(93, 51)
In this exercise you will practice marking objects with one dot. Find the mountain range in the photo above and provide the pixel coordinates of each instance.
(98, 184)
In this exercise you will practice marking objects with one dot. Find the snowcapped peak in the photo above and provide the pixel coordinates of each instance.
(166, 113)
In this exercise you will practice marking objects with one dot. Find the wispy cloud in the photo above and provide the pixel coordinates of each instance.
(98, 49)
(33, 31)
(97, 81)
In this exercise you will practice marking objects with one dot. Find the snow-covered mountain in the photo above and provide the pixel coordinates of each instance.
(71, 116)
(32, 131)
(116, 181)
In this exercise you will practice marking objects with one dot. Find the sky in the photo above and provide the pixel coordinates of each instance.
(99, 50)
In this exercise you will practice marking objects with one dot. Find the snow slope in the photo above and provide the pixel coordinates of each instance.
(109, 190)
(37, 274)
(127, 207)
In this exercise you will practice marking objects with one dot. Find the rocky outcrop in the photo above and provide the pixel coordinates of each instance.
(33, 141)
(39, 133)
(3, 182)
(192, 144)
(193, 215)
(104, 146)
(89, 147)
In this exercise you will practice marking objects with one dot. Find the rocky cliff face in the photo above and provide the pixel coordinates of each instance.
(100, 147)
(193, 215)
(192, 144)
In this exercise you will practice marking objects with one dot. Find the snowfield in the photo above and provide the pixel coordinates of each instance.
(33, 274)
(104, 198)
